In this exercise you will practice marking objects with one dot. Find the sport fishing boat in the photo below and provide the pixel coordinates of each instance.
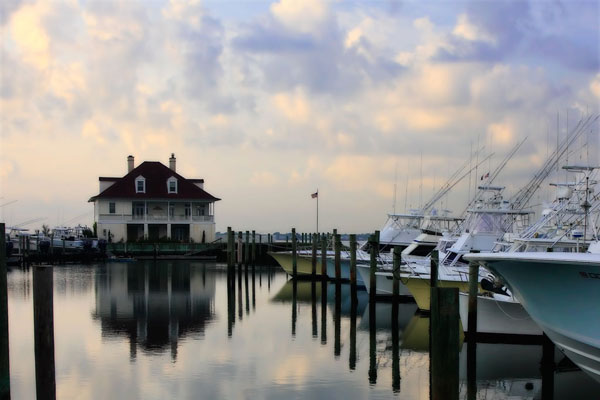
(560, 292)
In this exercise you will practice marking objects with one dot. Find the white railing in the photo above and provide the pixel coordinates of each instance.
(153, 218)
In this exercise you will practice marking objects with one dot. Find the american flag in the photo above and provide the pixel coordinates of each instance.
(314, 195)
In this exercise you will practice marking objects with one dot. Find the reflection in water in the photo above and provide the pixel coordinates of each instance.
(294, 305)
(372, 343)
(313, 309)
(156, 309)
(353, 313)
(337, 320)
(154, 304)
(395, 349)
(323, 312)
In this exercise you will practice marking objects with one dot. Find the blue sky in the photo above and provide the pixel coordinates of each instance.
(268, 101)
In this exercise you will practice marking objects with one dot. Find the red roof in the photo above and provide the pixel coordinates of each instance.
(156, 176)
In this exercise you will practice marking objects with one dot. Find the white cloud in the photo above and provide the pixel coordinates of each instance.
(467, 30)
(304, 16)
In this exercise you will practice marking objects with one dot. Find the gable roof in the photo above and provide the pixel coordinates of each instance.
(156, 176)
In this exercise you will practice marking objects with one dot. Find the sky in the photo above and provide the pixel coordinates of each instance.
(374, 104)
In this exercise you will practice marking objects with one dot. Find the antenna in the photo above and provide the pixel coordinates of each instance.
(395, 187)
(421, 183)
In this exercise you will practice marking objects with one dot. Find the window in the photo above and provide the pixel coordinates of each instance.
(172, 185)
(111, 208)
(140, 184)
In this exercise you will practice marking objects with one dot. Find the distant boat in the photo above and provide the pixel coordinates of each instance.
(561, 292)
(303, 261)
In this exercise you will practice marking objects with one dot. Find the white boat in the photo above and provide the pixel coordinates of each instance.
(498, 314)
(561, 292)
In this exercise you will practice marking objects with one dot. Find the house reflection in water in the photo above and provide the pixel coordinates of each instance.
(154, 304)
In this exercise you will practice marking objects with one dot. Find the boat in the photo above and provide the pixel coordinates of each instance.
(303, 261)
(560, 291)
(498, 314)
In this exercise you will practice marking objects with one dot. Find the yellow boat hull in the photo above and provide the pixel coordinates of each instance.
(303, 264)
(421, 289)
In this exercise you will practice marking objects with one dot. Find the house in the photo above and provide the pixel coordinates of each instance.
(152, 202)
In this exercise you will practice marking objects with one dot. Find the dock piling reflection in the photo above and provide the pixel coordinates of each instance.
(323, 312)
(372, 343)
(313, 304)
(353, 311)
(395, 347)
(337, 319)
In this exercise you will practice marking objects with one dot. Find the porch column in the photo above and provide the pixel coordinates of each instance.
(145, 231)
(169, 230)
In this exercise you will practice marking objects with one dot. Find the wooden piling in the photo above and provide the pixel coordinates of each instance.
(374, 246)
(294, 254)
(353, 259)
(260, 244)
(229, 249)
(473, 289)
(444, 343)
(63, 247)
(43, 327)
(240, 240)
(247, 248)
(337, 257)
(253, 257)
(323, 257)
(52, 243)
(547, 368)
(4, 343)
(313, 259)
(434, 266)
(396, 272)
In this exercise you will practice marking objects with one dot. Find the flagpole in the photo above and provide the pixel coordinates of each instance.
(317, 211)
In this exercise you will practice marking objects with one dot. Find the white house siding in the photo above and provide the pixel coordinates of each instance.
(196, 231)
(118, 231)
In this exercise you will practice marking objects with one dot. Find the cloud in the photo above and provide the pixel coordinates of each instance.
(264, 178)
(294, 106)
(301, 16)
(30, 36)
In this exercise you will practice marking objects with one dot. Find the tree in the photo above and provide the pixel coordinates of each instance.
(45, 230)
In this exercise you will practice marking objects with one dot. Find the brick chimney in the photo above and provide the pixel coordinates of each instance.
(129, 164)
(172, 161)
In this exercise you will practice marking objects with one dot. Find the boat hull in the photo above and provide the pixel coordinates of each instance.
(498, 317)
(384, 281)
(303, 264)
(344, 271)
(420, 289)
(561, 293)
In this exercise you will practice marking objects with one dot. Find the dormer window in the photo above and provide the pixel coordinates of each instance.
(140, 184)
(172, 185)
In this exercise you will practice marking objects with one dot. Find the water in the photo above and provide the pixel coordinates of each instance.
(183, 330)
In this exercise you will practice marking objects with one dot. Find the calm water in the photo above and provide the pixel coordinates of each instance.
(183, 330)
